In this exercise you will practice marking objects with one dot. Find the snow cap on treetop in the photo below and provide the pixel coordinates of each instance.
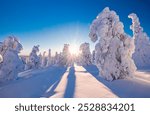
(107, 24)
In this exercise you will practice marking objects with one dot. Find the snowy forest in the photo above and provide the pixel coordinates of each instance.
(119, 66)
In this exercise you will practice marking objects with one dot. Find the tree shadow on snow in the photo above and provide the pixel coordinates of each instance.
(124, 88)
(71, 81)
(40, 84)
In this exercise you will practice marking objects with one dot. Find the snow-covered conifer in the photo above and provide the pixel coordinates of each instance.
(11, 63)
(85, 56)
(141, 55)
(44, 59)
(113, 52)
(34, 59)
(93, 57)
(49, 58)
(66, 57)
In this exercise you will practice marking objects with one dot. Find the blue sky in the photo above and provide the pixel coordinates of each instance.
(51, 23)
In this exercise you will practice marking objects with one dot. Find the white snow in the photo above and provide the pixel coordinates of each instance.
(75, 81)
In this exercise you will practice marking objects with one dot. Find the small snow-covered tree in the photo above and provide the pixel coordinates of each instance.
(141, 55)
(44, 60)
(40, 59)
(66, 57)
(11, 63)
(57, 59)
(49, 58)
(85, 56)
(1, 57)
(113, 52)
(34, 59)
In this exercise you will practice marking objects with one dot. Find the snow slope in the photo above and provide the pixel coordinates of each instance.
(33, 83)
(77, 81)
(136, 87)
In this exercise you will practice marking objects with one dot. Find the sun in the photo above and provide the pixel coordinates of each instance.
(74, 49)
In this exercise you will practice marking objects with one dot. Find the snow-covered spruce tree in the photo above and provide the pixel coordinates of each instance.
(34, 59)
(85, 56)
(11, 63)
(66, 57)
(1, 57)
(57, 59)
(44, 60)
(40, 59)
(141, 55)
(93, 57)
(49, 58)
(113, 52)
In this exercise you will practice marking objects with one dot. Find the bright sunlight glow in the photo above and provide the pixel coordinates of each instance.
(74, 49)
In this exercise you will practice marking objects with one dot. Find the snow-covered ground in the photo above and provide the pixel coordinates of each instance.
(77, 81)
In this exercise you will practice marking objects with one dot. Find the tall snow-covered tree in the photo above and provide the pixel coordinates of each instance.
(66, 57)
(113, 52)
(1, 57)
(11, 63)
(93, 57)
(49, 58)
(44, 60)
(85, 56)
(56, 59)
(40, 59)
(141, 55)
(34, 59)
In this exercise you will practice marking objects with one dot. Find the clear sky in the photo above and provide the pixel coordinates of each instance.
(51, 23)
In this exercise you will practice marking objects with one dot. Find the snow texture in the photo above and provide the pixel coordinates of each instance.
(85, 56)
(113, 52)
(11, 63)
(141, 55)
(77, 81)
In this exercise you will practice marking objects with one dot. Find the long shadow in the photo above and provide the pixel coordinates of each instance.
(71, 81)
(51, 91)
(34, 86)
(92, 69)
(123, 88)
